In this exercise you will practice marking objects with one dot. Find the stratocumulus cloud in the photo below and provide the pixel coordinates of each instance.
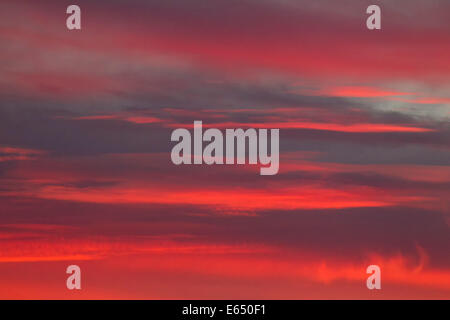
(86, 175)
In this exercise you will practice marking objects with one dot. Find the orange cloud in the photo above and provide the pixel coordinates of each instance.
(353, 128)
(282, 269)
(362, 92)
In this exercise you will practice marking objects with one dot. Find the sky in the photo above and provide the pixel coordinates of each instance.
(85, 171)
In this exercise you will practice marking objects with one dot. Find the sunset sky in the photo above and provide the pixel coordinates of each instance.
(86, 176)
